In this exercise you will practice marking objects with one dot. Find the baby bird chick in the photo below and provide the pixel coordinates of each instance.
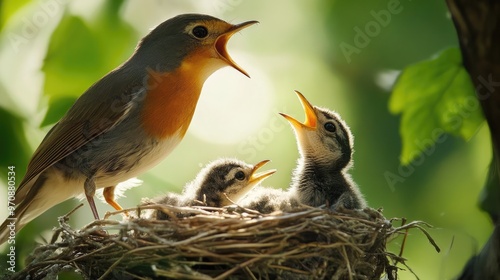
(224, 182)
(220, 183)
(325, 145)
(268, 200)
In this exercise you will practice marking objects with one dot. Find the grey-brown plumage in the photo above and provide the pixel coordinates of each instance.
(112, 132)
(220, 183)
(268, 200)
(325, 144)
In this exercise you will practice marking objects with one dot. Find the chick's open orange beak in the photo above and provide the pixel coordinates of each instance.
(255, 177)
(221, 42)
(311, 118)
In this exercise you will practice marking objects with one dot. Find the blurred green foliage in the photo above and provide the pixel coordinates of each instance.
(383, 35)
(434, 97)
(8, 9)
(15, 149)
(80, 53)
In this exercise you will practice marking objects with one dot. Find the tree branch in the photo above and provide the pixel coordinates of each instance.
(478, 29)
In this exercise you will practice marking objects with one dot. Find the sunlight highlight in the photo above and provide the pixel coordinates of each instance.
(232, 106)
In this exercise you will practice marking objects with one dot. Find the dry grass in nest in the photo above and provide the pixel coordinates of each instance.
(226, 243)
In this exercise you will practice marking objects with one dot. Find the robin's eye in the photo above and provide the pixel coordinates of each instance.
(330, 127)
(239, 175)
(200, 32)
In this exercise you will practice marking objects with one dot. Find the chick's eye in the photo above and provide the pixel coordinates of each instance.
(239, 175)
(330, 127)
(200, 32)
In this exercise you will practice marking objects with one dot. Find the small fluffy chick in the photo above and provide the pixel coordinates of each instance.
(268, 200)
(220, 183)
(325, 144)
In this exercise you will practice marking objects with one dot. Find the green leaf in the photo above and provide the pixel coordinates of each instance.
(81, 52)
(14, 147)
(434, 97)
(73, 60)
(8, 8)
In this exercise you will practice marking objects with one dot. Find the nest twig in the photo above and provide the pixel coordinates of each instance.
(225, 243)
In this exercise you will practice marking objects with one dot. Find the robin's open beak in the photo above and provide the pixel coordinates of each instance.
(255, 177)
(311, 118)
(221, 42)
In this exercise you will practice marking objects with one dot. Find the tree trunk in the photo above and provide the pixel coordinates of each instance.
(478, 29)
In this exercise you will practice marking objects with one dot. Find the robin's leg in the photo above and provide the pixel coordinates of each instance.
(89, 187)
(109, 195)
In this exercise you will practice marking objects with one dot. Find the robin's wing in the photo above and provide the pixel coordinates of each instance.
(99, 109)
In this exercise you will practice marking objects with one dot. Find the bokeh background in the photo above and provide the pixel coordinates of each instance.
(52, 50)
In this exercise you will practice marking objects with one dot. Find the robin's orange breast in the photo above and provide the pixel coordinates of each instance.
(172, 96)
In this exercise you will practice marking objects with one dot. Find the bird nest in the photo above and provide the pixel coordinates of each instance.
(226, 243)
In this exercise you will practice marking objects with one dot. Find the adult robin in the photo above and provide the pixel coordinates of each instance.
(220, 183)
(325, 145)
(128, 121)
